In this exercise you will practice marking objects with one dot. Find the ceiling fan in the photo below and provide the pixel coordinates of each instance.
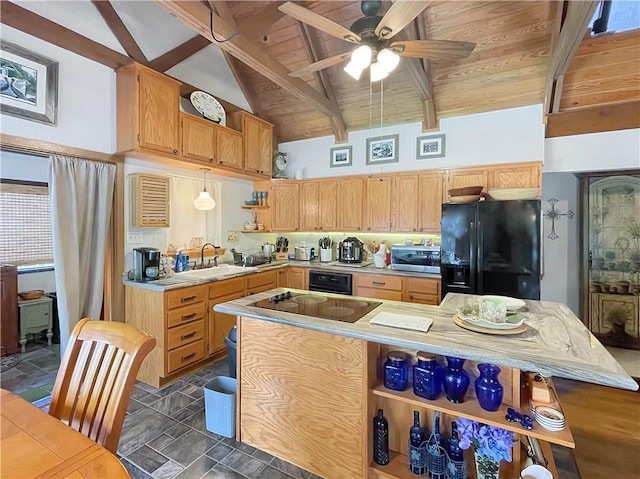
(373, 33)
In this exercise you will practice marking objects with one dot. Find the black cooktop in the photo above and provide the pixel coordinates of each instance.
(344, 309)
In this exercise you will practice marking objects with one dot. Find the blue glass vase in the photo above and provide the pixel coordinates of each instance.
(488, 390)
(427, 377)
(456, 380)
(396, 371)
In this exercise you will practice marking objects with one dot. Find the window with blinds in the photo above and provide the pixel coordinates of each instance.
(26, 237)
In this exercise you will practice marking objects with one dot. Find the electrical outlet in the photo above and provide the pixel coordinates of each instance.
(303, 243)
(135, 238)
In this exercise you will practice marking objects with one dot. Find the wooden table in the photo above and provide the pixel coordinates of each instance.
(36, 445)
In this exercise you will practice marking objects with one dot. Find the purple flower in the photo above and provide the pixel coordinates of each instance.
(491, 441)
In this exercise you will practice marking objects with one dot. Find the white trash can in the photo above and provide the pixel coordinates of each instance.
(220, 406)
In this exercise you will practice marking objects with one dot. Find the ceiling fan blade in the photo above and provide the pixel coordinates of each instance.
(311, 18)
(433, 49)
(319, 65)
(399, 16)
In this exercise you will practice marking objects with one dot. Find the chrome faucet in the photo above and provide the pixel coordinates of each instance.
(215, 258)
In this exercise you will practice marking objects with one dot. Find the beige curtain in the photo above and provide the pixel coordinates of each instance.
(81, 193)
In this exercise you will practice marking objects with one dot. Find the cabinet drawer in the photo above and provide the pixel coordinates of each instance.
(392, 283)
(227, 286)
(185, 296)
(185, 355)
(261, 279)
(379, 293)
(424, 298)
(185, 334)
(187, 314)
(426, 286)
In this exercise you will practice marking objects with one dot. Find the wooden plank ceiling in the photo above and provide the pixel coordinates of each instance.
(507, 68)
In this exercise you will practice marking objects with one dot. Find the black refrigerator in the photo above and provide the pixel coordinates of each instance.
(491, 247)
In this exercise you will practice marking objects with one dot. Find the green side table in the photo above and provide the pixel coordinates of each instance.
(36, 315)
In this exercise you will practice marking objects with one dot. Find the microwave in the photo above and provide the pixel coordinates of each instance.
(424, 259)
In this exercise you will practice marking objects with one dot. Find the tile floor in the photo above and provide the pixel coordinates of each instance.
(164, 434)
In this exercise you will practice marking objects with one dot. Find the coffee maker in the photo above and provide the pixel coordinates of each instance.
(146, 264)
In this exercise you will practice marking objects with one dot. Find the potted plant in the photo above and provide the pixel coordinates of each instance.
(491, 445)
(611, 259)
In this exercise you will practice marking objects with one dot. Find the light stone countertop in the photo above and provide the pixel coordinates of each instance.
(176, 282)
(555, 343)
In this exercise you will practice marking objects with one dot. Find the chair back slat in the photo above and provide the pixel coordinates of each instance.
(96, 377)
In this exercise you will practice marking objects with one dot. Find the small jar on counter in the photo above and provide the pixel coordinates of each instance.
(427, 376)
(396, 371)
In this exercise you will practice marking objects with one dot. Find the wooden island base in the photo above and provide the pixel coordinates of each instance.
(309, 398)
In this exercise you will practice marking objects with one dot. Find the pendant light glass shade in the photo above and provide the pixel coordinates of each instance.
(354, 70)
(388, 59)
(204, 202)
(377, 72)
(361, 56)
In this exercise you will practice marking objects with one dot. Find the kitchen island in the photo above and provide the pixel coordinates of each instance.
(309, 387)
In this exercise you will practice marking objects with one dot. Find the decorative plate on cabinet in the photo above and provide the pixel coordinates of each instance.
(209, 107)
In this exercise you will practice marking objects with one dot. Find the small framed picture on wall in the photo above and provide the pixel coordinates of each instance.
(340, 156)
(432, 146)
(382, 149)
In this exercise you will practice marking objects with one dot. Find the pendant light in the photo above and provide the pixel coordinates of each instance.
(204, 202)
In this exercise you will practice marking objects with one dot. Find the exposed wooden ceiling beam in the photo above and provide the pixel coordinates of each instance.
(594, 119)
(44, 29)
(179, 53)
(197, 16)
(257, 25)
(573, 26)
(419, 72)
(119, 29)
(222, 9)
(312, 50)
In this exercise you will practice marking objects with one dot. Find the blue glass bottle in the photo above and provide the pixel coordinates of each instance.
(488, 390)
(456, 380)
(380, 439)
(436, 455)
(455, 451)
(427, 377)
(396, 374)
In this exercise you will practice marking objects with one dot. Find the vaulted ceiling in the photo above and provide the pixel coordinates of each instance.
(523, 56)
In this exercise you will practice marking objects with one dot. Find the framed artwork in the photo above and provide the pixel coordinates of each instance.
(341, 156)
(382, 149)
(430, 147)
(28, 84)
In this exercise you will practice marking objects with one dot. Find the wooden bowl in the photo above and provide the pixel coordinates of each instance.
(466, 191)
(33, 294)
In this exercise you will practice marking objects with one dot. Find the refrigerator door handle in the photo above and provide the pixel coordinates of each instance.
(480, 243)
(472, 256)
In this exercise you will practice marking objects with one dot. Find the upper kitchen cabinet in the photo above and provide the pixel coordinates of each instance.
(405, 205)
(378, 204)
(147, 110)
(206, 143)
(418, 204)
(285, 196)
(318, 207)
(351, 199)
(149, 200)
(430, 202)
(462, 177)
(526, 175)
(257, 136)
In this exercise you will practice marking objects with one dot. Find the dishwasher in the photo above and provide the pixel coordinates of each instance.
(328, 282)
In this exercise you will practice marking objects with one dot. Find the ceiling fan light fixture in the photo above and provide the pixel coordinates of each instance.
(361, 56)
(388, 59)
(354, 70)
(377, 72)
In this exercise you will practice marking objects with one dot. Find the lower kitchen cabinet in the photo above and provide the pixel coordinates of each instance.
(259, 282)
(220, 324)
(423, 291)
(298, 278)
(378, 286)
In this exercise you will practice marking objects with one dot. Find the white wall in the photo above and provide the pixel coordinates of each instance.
(562, 255)
(86, 100)
(231, 195)
(611, 150)
(505, 136)
(28, 168)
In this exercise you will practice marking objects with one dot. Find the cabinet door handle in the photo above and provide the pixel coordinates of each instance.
(175, 152)
(378, 283)
(187, 336)
(188, 317)
(187, 357)
(188, 298)
(411, 297)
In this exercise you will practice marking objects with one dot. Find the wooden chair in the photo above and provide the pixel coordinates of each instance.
(96, 377)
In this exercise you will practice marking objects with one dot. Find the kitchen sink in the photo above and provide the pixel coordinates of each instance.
(215, 272)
